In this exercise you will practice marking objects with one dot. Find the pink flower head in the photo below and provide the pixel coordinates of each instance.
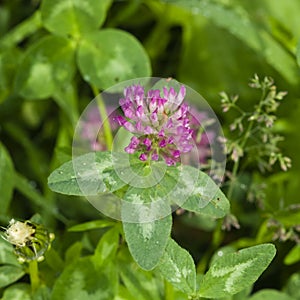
(160, 123)
(203, 135)
(92, 128)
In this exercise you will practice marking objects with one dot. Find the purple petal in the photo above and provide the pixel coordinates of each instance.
(147, 142)
(129, 150)
(176, 153)
(162, 144)
(161, 133)
(155, 156)
(121, 120)
(139, 126)
(128, 126)
(143, 157)
(148, 130)
(170, 161)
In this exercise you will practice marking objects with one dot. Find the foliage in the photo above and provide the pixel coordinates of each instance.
(55, 56)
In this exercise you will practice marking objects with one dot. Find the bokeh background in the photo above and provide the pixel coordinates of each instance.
(54, 58)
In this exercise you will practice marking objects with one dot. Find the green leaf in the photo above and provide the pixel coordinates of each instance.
(124, 294)
(288, 218)
(150, 196)
(6, 179)
(107, 246)
(298, 53)
(293, 256)
(239, 24)
(177, 266)
(270, 294)
(73, 253)
(110, 56)
(147, 241)
(9, 60)
(47, 65)
(22, 31)
(73, 17)
(54, 260)
(10, 274)
(83, 280)
(94, 174)
(96, 224)
(292, 287)
(42, 293)
(233, 272)
(140, 284)
(66, 98)
(7, 255)
(197, 192)
(19, 291)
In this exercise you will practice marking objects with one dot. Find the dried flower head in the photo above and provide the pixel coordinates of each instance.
(18, 233)
(160, 124)
(30, 240)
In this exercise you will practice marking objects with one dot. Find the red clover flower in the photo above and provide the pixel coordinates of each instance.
(91, 129)
(160, 124)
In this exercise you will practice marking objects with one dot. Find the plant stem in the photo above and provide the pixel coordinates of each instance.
(242, 145)
(105, 121)
(22, 31)
(34, 275)
(169, 292)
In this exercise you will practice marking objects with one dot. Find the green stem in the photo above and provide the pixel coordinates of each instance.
(169, 292)
(242, 145)
(218, 235)
(34, 275)
(103, 114)
(23, 30)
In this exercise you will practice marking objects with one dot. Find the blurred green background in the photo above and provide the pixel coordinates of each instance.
(54, 55)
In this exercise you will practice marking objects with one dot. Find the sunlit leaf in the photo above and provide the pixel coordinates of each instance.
(96, 224)
(88, 174)
(197, 192)
(73, 253)
(292, 287)
(107, 246)
(293, 256)
(177, 266)
(110, 56)
(48, 64)
(147, 241)
(19, 291)
(140, 284)
(83, 280)
(74, 17)
(233, 272)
